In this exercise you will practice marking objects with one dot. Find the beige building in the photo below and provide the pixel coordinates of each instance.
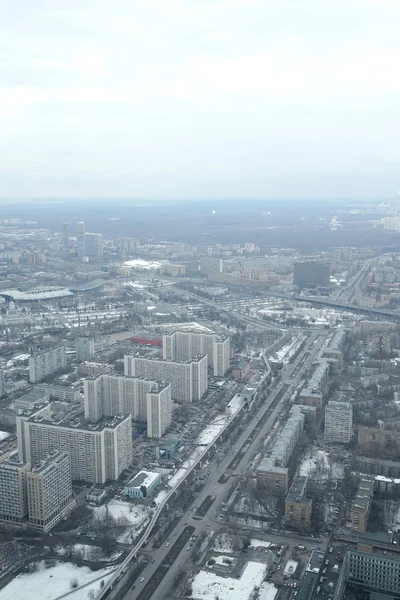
(298, 507)
(338, 426)
(186, 345)
(13, 494)
(361, 505)
(272, 472)
(188, 379)
(49, 490)
(374, 439)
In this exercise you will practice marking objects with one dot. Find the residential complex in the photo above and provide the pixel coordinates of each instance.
(188, 378)
(338, 422)
(99, 451)
(49, 491)
(298, 507)
(361, 505)
(145, 400)
(84, 349)
(186, 345)
(13, 494)
(272, 472)
(47, 362)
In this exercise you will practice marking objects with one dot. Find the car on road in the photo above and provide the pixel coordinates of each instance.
(142, 579)
(167, 544)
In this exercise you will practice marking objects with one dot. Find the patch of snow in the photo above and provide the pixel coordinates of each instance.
(225, 561)
(135, 516)
(4, 435)
(206, 585)
(223, 543)
(48, 584)
(235, 404)
(259, 543)
(267, 591)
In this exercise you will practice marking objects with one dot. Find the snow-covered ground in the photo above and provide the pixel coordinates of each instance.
(135, 516)
(267, 591)
(207, 586)
(88, 552)
(140, 263)
(259, 543)
(3, 435)
(235, 404)
(316, 464)
(48, 584)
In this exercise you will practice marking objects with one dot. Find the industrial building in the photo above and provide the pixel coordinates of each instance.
(311, 274)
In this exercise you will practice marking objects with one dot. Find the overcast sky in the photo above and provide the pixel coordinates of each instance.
(199, 98)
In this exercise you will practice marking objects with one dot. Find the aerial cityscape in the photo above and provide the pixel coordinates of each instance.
(198, 411)
(199, 300)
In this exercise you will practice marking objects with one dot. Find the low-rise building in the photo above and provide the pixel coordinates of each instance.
(298, 507)
(168, 447)
(361, 505)
(143, 485)
(241, 368)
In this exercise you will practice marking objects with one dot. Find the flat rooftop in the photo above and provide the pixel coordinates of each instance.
(145, 478)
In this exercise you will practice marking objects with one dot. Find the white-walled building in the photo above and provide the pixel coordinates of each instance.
(13, 494)
(49, 491)
(338, 422)
(99, 451)
(186, 345)
(47, 362)
(188, 379)
(159, 411)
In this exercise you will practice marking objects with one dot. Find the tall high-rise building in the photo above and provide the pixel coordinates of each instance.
(128, 247)
(13, 493)
(84, 349)
(47, 363)
(49, 490)
(338, 422)
(186, 345)
(65, 239)
(159, 411)
(98, 451)
(311, 274)
(80, 240)
(93, 245)
(108, 395)
(188, 378)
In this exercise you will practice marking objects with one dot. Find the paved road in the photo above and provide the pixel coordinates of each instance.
(220, 491)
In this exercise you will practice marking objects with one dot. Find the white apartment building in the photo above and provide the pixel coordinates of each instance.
(46, 363)
(49, 491)
(338, 422)
(109, 395)
(99, 451)
(84, 349)
(391, 223)
(188, 379)
(159, 411)
(13, 493)
(186, 345)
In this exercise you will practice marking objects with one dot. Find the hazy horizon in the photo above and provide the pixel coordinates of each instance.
(181, 100)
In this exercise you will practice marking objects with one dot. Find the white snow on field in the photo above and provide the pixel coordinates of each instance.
(48, 584)
(259, 543)
(4, 435)
(223, 543)
(206, 586)
(136, 516)
(317, 465)
(88, 552)
(140, 263)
